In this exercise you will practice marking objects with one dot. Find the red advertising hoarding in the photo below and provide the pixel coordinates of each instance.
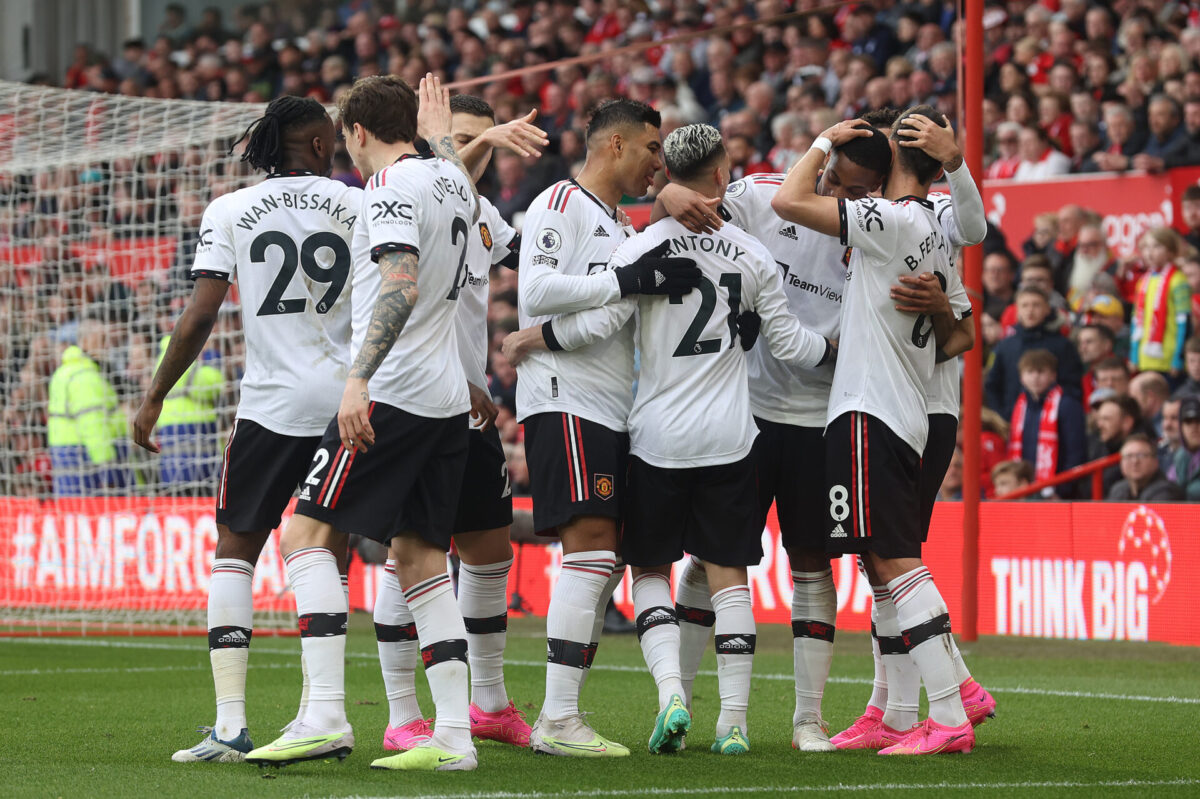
(1094, 571)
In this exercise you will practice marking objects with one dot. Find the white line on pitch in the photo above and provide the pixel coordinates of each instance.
(785, 789)
(371, 656)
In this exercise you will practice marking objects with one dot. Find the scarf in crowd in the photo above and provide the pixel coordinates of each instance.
(1047, 439)
(1154, 333)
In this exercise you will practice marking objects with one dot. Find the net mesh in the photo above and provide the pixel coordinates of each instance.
(101, 198)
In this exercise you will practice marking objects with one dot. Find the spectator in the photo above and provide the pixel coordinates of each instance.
(1170, 442)
(993, 445)
(999, 283)
(1095, 343)
(1189, 206)
(187, 429)
(1071, 219)
(1190, 266)
(1091, 257)
(1186, 149)
(1105, 310)
(1008, 140)
(1142, 479)
(1116, 419)
(1162, 307)
(1037, 272)
(1010, 476)
(86, 430)
(868, 36)
(1123, 139)
(1167, 133)
(1039, 159)
(1191, 365)
(1002, 384)
(952, 483)
(1047, 427)
(1085, 143)
(1150, 391)
(1185, 471)
(1112, 373)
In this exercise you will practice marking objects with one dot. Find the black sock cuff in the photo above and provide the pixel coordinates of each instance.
(697, 616)
(322, 625)
(229, 637)
(443, 652)
(650, 618)
(811, 628)
(736, 643)
(395, 633)
(569, 653)
(915, 636)
(487, 625)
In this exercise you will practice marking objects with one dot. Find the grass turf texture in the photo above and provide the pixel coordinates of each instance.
(86, 719)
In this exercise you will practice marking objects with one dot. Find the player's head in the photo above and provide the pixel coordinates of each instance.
(293, 133)
(470, 117)
(857, 168)
(625, 134)
(695, 155)
(913, 160)
(380, 109)
(882, 119)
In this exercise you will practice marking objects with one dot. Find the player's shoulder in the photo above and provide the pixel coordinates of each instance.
(764, 184)
(552, 198)
(411, 170)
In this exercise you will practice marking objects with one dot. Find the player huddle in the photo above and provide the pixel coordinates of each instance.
(365, 389)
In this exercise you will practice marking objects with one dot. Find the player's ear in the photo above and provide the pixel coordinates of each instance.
(616, 143)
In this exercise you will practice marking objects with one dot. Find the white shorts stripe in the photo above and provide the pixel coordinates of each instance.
(225, 466)
(575, 458)
(860, 510)
(341, 464)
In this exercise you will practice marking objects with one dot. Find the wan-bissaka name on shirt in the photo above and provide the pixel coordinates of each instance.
(719, 247)
(300, 202)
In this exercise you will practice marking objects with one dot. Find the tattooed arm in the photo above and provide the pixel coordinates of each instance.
(397, 298)
(191, 333)
(434, 124)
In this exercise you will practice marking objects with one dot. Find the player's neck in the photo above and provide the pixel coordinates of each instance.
(902, 184)
(384, 155)
(705, 188)
(601, 180)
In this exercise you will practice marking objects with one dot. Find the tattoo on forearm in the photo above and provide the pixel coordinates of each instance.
(397, 296)
(443, 147)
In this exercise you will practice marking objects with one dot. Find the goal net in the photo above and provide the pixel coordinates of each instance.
(101, 198)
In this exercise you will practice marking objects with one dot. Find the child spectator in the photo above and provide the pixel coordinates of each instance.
(1162, 307)
(1047, 424)
(1009, 476)
(1035, 331)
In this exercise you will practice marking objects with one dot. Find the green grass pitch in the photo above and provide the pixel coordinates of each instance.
(101, 717)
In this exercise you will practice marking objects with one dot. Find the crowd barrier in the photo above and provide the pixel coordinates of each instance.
(1089, 571)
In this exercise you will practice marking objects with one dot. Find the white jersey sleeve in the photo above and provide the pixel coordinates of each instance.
(574, 330)
(871, 226)
(789, 341)
(504, 236)
(216, 251)
(747, 201)
(543, 289)
(962, 217)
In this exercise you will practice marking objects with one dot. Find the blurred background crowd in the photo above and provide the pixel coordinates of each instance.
(1088, 354)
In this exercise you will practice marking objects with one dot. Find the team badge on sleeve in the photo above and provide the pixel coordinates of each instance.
(604, 486)
(549, 241)
(485, 234)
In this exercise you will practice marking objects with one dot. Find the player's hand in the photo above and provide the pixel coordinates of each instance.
(921, 294)
(623, 218)
(748, 325)
(831, 351)
(143, 422)
(483, 410)
(354, 416)
(846, 131)
(937, 141)
(433, 108)
(658, 273)
(521, 136)
(691, 209)
(517, 346)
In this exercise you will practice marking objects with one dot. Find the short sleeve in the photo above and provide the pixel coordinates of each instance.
(390, 215)
(870, 225)
(216, 255)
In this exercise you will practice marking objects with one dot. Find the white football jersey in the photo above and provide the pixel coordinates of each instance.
(814, 276)
(489, 246)
(286, 241)
(568, 237)
(692, 407)
(421, 205)
(886, 357)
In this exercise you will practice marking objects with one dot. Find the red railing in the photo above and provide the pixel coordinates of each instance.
(1094, 468)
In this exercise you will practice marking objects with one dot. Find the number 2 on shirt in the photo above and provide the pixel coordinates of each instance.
(690, 344)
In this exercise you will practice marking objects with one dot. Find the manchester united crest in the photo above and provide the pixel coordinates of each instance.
(485, 234)
(604, 486)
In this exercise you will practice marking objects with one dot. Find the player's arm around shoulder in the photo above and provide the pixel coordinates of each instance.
(797, 199)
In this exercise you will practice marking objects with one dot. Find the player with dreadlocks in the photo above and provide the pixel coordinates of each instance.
(287, 241)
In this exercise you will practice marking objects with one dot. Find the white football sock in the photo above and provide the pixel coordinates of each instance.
(606, 594)
(925, 624)
(569, 621)
(658, 633)
(321, 605)
(483, 600)
(230, 627)
(443, 641)
(735, 637)
(879, 687)
(396, 638)
(961, 672)
(902, 695)
(814, 611)
(693, 608)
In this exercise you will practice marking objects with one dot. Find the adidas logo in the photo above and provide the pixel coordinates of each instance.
(600, 232)
(838, 532)
(304, 493)
(789, 232)
(659, 278)
(736, 644)
(233, 637)
(656, 619)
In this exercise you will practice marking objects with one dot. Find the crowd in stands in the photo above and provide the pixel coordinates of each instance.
(1088, 354)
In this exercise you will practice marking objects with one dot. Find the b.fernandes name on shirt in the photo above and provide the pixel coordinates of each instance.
(932, 243)
(300, 202)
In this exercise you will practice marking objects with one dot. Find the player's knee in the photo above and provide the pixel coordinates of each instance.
(484, 546)
(302, 532)
(807, 560)
(240, 546)
(589, 534)
(416, 559)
